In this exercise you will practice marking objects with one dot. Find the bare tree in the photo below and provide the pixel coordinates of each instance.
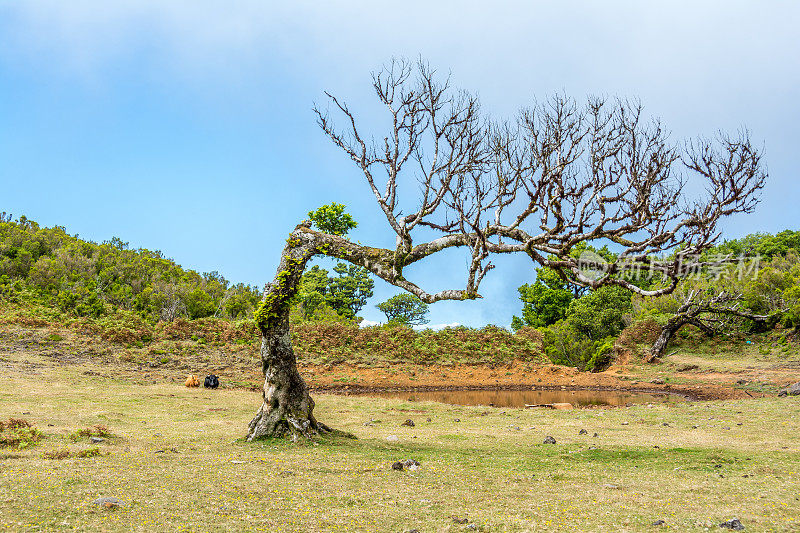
(712, 313)
(562, 174)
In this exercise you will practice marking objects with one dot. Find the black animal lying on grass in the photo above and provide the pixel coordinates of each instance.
(211, 382)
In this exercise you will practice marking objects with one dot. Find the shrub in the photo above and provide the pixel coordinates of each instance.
(564, 344)
(98, 430)
(19, 433)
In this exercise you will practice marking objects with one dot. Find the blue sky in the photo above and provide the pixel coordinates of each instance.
(186, 126)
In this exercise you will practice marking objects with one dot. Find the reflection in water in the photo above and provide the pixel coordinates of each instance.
(521, 398)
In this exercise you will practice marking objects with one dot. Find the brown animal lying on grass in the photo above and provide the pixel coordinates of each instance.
(192, 381)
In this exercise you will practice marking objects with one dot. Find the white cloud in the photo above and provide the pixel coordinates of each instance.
(437, 327)
(543, 41)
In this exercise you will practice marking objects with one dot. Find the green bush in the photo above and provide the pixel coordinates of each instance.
(47, 266)
(564, 344)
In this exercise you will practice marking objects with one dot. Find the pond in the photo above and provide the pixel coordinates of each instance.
(523, 398)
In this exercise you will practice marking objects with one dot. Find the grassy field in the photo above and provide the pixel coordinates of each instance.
(178, 462)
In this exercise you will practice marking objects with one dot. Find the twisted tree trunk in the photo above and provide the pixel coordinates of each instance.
(287, 408)
(707, 315)
(669, 331)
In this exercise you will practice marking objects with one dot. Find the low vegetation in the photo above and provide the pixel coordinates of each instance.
(18, 433)
(164, 315)
(179, 463)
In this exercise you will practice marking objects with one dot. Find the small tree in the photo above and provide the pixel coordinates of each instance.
(544, 302)
(332, 219)
(349, 291)
(562, 174)
(405, 309)
(312, 290)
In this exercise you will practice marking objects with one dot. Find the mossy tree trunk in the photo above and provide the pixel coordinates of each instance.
(711, 315)
(287, 408)
(669, 330)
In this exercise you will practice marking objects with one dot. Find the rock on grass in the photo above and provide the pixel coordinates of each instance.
(108, 502)
(733, 524)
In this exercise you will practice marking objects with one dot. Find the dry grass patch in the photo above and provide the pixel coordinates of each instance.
(98, 430)
(183, 464)
(67, 454)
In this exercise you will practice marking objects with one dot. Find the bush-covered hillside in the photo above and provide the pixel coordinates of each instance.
(82, 278)
(149, 304)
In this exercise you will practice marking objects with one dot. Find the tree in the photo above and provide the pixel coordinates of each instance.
(562, 174)
(711, 312)
(312, 290)
(731, 301)
(348, 292)
(599, 314)
(405, 309)
(544, 302)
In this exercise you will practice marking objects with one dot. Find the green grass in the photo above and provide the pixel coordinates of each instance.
(178, 462)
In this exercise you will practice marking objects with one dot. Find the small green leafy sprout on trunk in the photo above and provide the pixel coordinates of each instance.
(332, 219)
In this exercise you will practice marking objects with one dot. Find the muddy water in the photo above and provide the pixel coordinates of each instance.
(521, 398)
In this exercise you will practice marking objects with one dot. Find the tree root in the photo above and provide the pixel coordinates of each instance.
(279, 423)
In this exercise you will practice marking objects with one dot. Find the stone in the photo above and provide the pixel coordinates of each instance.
(733, 524)
(392, 438)
(97, 440)
(625, 423)
(793, 390)
(108, 502)
(584, 432)
(659, 523)
(411, 464)
(549, 440)
(409, 423)
(610, 486)
(397, 465)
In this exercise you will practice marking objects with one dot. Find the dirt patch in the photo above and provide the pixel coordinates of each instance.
(238, 367)
(517, 376)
